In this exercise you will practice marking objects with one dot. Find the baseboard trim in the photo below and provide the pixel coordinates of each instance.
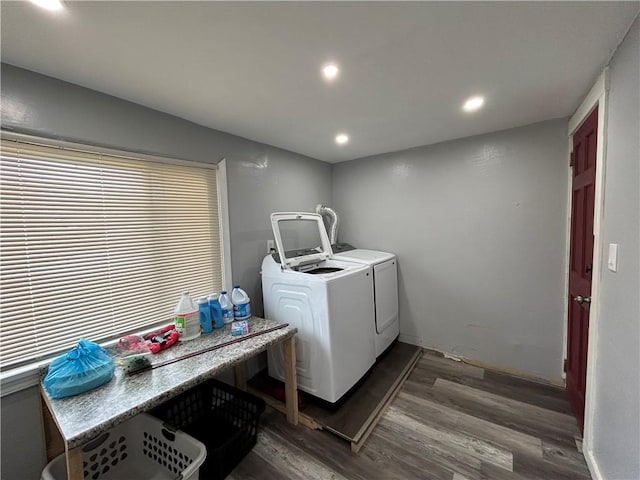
(591, 463)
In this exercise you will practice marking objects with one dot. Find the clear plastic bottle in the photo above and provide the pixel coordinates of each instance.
(241, 303)
(205, 315)
(216, 310)
(227, 307)
(187, 319)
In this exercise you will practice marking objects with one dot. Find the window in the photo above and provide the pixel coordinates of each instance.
(97, 245)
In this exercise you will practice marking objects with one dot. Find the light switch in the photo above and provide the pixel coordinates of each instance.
(612, 262)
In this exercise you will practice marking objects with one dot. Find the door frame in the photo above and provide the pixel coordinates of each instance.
(597, 96)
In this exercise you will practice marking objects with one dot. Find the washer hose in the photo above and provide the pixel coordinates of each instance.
(333, 219)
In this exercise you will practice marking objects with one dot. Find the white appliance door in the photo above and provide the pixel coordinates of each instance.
(351, 346)
(386, 294)
(297, 231)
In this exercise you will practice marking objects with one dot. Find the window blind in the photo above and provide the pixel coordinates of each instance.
(96, 245)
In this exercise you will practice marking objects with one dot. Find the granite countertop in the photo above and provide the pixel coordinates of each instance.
(84, 416)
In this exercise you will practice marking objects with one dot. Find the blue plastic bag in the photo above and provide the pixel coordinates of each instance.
(84, 368)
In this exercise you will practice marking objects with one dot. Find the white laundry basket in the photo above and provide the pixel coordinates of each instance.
(142, 448)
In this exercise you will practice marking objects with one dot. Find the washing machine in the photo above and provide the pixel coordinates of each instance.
(329, 301)
(385, 280)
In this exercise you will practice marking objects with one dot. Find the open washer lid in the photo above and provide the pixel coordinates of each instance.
(301, 238)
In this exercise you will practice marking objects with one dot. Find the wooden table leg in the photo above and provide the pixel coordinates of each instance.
(290, 380)
(240, 376)
(54, 444)
(75, 470)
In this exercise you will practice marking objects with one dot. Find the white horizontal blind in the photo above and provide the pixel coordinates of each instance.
(95, 245)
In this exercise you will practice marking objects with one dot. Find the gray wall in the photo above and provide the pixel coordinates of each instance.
(261, 179)
(479, 226)
(616, 427)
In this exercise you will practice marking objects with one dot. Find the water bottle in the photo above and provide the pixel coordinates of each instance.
(227, 307)
(205, 315)
(241, 303)
(216, 310)
(187, 319)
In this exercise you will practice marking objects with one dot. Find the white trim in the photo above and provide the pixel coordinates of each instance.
(596, 96)
(592, 464)
(15, 380)
(590, 101)
(225, 231)
(87, 147)
(567, 260)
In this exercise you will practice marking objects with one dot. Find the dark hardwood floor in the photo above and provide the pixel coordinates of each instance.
(450, 421)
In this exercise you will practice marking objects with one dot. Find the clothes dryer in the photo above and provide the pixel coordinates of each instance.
(384, 267)
(329, 301)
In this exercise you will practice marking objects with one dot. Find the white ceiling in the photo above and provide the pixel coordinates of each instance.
(253, 69)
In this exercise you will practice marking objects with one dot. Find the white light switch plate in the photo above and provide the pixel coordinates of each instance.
(271, 246)
(612, 262)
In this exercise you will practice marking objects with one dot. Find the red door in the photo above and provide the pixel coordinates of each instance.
(581, 260)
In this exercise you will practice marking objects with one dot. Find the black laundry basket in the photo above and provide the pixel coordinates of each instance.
(222, 417)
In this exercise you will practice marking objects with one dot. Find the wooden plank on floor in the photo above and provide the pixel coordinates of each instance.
(386, 399)
(457, 476)
(253, 467)
(511, 413)
(525, 413)
(448, 419)
(303, 418)
(441, 365)
(568, 460)
(470, 432)
(499, 410)
(528, 468)
(410, 439)
(333, 452)
(408, 465)
(542, 395)
(354, 417)
(457, 442)
(290, 460)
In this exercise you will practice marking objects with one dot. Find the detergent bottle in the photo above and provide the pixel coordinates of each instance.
(227, 307)
(216, 310)
(205, 315)
(187, 319)
(241, 304)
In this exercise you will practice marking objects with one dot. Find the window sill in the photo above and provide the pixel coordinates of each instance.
(27, 376)
(21, 378)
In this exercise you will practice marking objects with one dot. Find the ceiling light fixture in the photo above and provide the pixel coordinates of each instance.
(330, 71)
(53, 5)
(473, 104)
(342, 138)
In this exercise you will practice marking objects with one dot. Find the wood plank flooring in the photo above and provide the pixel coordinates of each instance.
(450, 421)
(357, 412)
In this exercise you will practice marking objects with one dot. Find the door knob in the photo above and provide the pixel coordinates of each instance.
(580, 299)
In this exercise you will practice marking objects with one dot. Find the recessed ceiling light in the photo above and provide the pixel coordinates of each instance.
(473, 104)
(330, 71)
(52, 5)
(342, 138)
